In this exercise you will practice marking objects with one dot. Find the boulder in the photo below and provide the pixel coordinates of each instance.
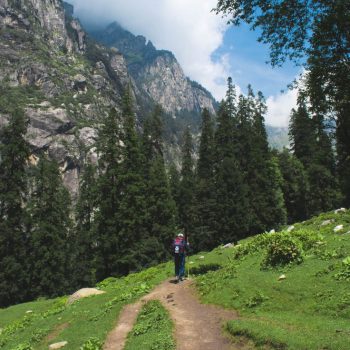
(327, 222)
(80, 83)
(58, 345)
(272, 231)
(84, 293)
(228, 245)
(282, 277)
(340, 210)
(290, 228)
(338, 228)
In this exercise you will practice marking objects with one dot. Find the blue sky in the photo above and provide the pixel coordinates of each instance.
(208, 50)
(248, 62)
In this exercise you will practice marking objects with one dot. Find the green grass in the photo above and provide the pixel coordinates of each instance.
(153, 329)
(87, 321)
(310, 309)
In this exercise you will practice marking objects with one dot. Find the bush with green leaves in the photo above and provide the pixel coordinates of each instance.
(24, 347)
(282, 250)
(344, 274)
(92, 344)
(256, 300)
(309, 238)
(204, 268)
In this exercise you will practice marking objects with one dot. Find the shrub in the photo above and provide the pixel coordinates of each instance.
(92, 344)
(256, 300)
(282, 250)
(344, 274)
(204, 268)
(308, 238)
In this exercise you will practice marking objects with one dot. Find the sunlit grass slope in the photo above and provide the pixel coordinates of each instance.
(83, 324)
(308, 307)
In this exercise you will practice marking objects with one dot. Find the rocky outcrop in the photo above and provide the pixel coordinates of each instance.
(164, 81)
(156, 73)
(66, 84)
(45, 70)
(84, 293)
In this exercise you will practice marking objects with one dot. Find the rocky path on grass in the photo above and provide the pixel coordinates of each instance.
(197, 326)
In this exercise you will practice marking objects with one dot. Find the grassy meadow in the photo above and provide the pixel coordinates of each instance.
(291, 289)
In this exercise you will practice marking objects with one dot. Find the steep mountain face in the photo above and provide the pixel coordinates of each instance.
(157, 73)
(65, 82)
(278, 137)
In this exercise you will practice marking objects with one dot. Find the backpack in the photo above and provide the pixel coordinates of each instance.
(179, 245)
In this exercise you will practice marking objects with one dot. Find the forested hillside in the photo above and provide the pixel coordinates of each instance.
(87, 187)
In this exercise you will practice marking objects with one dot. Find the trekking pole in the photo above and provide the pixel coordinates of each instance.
(188, 260)
(188, 267)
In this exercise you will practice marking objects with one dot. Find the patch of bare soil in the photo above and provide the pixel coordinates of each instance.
(197, 326)
(55, 332)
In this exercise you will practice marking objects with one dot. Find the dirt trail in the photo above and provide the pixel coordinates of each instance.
(197, 326)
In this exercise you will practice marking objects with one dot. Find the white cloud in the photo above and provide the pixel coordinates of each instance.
(188, 28)
(279, 108)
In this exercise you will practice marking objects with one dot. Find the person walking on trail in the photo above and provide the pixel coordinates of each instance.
(180, 245)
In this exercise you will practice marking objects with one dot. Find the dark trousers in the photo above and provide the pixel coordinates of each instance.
(179, 260)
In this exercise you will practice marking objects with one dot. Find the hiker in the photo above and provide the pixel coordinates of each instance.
(180, 245)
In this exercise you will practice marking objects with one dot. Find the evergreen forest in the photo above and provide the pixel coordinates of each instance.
(131, 202)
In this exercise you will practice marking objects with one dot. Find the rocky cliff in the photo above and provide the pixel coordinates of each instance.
(66, 82)
(62, 81)
(157, 73)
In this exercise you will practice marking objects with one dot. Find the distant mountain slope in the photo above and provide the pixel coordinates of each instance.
(277, 136)
(157, 73)
(66, 82)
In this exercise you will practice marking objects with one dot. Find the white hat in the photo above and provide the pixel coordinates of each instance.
(180, 235)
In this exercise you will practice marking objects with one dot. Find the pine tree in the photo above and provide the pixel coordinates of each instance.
(204, 235)
(231, 98)
(187, 184)
(50, 240)
(174, 185)
(84, 234)
(131, 213)
(159, 203)
(260, 173)
(295, 186)
(302, 133)
(231, 214)
(14, 153)
(312, 146)
(106, 225)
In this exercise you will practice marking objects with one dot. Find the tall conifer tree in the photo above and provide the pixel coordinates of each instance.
(50, 240)
(187, 184)
(174, 184)
(14, 153)
(312, 146)
(260, 172)
(159, 203)
(106, 227)
(84, 233)
(131, 213)
(205, 187)
(231, 214)
(295, 186)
